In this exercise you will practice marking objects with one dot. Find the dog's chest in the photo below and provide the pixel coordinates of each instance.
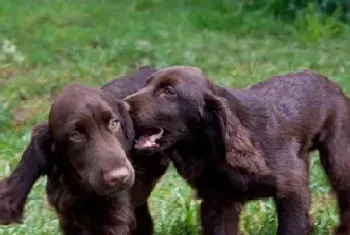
(209, 181)
(82, 214)
(198, 173)
(190, 168)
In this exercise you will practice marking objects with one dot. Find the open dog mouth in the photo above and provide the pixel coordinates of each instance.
(149, 138)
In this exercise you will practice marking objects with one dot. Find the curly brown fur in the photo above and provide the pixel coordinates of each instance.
(38, 159)
(14, 189)
(88, 185)
(233, 146)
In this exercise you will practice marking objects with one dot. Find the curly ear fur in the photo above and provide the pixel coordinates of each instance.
(122, 108)
(34, 163)
(126, 124)
(230, 137)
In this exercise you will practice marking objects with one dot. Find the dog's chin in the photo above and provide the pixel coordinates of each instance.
(110, 191)
(152, 140)
(103, 190)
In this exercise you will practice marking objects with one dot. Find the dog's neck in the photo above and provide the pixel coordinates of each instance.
(83, 212)
(190, 157)
(67, 178)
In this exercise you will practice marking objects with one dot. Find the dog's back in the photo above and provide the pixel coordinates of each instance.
(305, 99)
(319, 112)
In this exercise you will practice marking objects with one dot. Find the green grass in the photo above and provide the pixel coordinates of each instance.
(92, 42)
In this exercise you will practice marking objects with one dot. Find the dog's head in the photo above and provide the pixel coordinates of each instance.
(91, 134)
(164, 109)
(179, 103)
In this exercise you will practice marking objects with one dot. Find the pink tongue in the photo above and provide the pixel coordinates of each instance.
(147, 141)
(141, 142)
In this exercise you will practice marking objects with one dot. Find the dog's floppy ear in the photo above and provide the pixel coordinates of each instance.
(230, 138)
(126, 123)
(122, 108)
(35, 162)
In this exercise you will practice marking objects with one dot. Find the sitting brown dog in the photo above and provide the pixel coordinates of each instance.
(233, 146)
(84, 188)
(88, 185)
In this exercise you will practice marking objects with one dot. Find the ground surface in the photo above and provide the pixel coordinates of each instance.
(92, 42)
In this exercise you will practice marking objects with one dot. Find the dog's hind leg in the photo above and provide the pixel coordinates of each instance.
(335, 159)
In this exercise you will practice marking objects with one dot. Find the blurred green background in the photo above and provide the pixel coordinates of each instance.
(45, 45)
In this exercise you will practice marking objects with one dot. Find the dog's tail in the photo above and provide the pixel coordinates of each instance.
(14, 189)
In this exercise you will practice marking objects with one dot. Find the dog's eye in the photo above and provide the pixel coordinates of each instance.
(168, 90)
(76, 136)
(114, 125)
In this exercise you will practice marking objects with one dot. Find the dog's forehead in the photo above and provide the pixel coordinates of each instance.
(77, 101)
(77, 90)
(178, 74)
(74, 95)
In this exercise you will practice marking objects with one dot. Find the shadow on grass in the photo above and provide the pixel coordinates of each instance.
(180, 228)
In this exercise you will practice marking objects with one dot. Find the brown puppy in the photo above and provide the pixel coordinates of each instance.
(91, 173)
(37, 160)
(233, 146)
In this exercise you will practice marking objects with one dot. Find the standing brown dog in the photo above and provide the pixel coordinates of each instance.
(233, 146)
(40, 158)
(88, 185)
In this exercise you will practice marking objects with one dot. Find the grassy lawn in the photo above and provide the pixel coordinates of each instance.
(57, 42)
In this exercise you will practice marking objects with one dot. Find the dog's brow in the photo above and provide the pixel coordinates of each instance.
(74, 124)
(106, 115)
(149, 79)
(170, 80)
(162, 84)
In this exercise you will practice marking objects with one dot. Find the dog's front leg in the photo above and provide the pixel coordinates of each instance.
(220, 218)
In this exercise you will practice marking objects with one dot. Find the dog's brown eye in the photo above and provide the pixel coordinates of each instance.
(76, 136)
(114, 125)
(168, 90)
